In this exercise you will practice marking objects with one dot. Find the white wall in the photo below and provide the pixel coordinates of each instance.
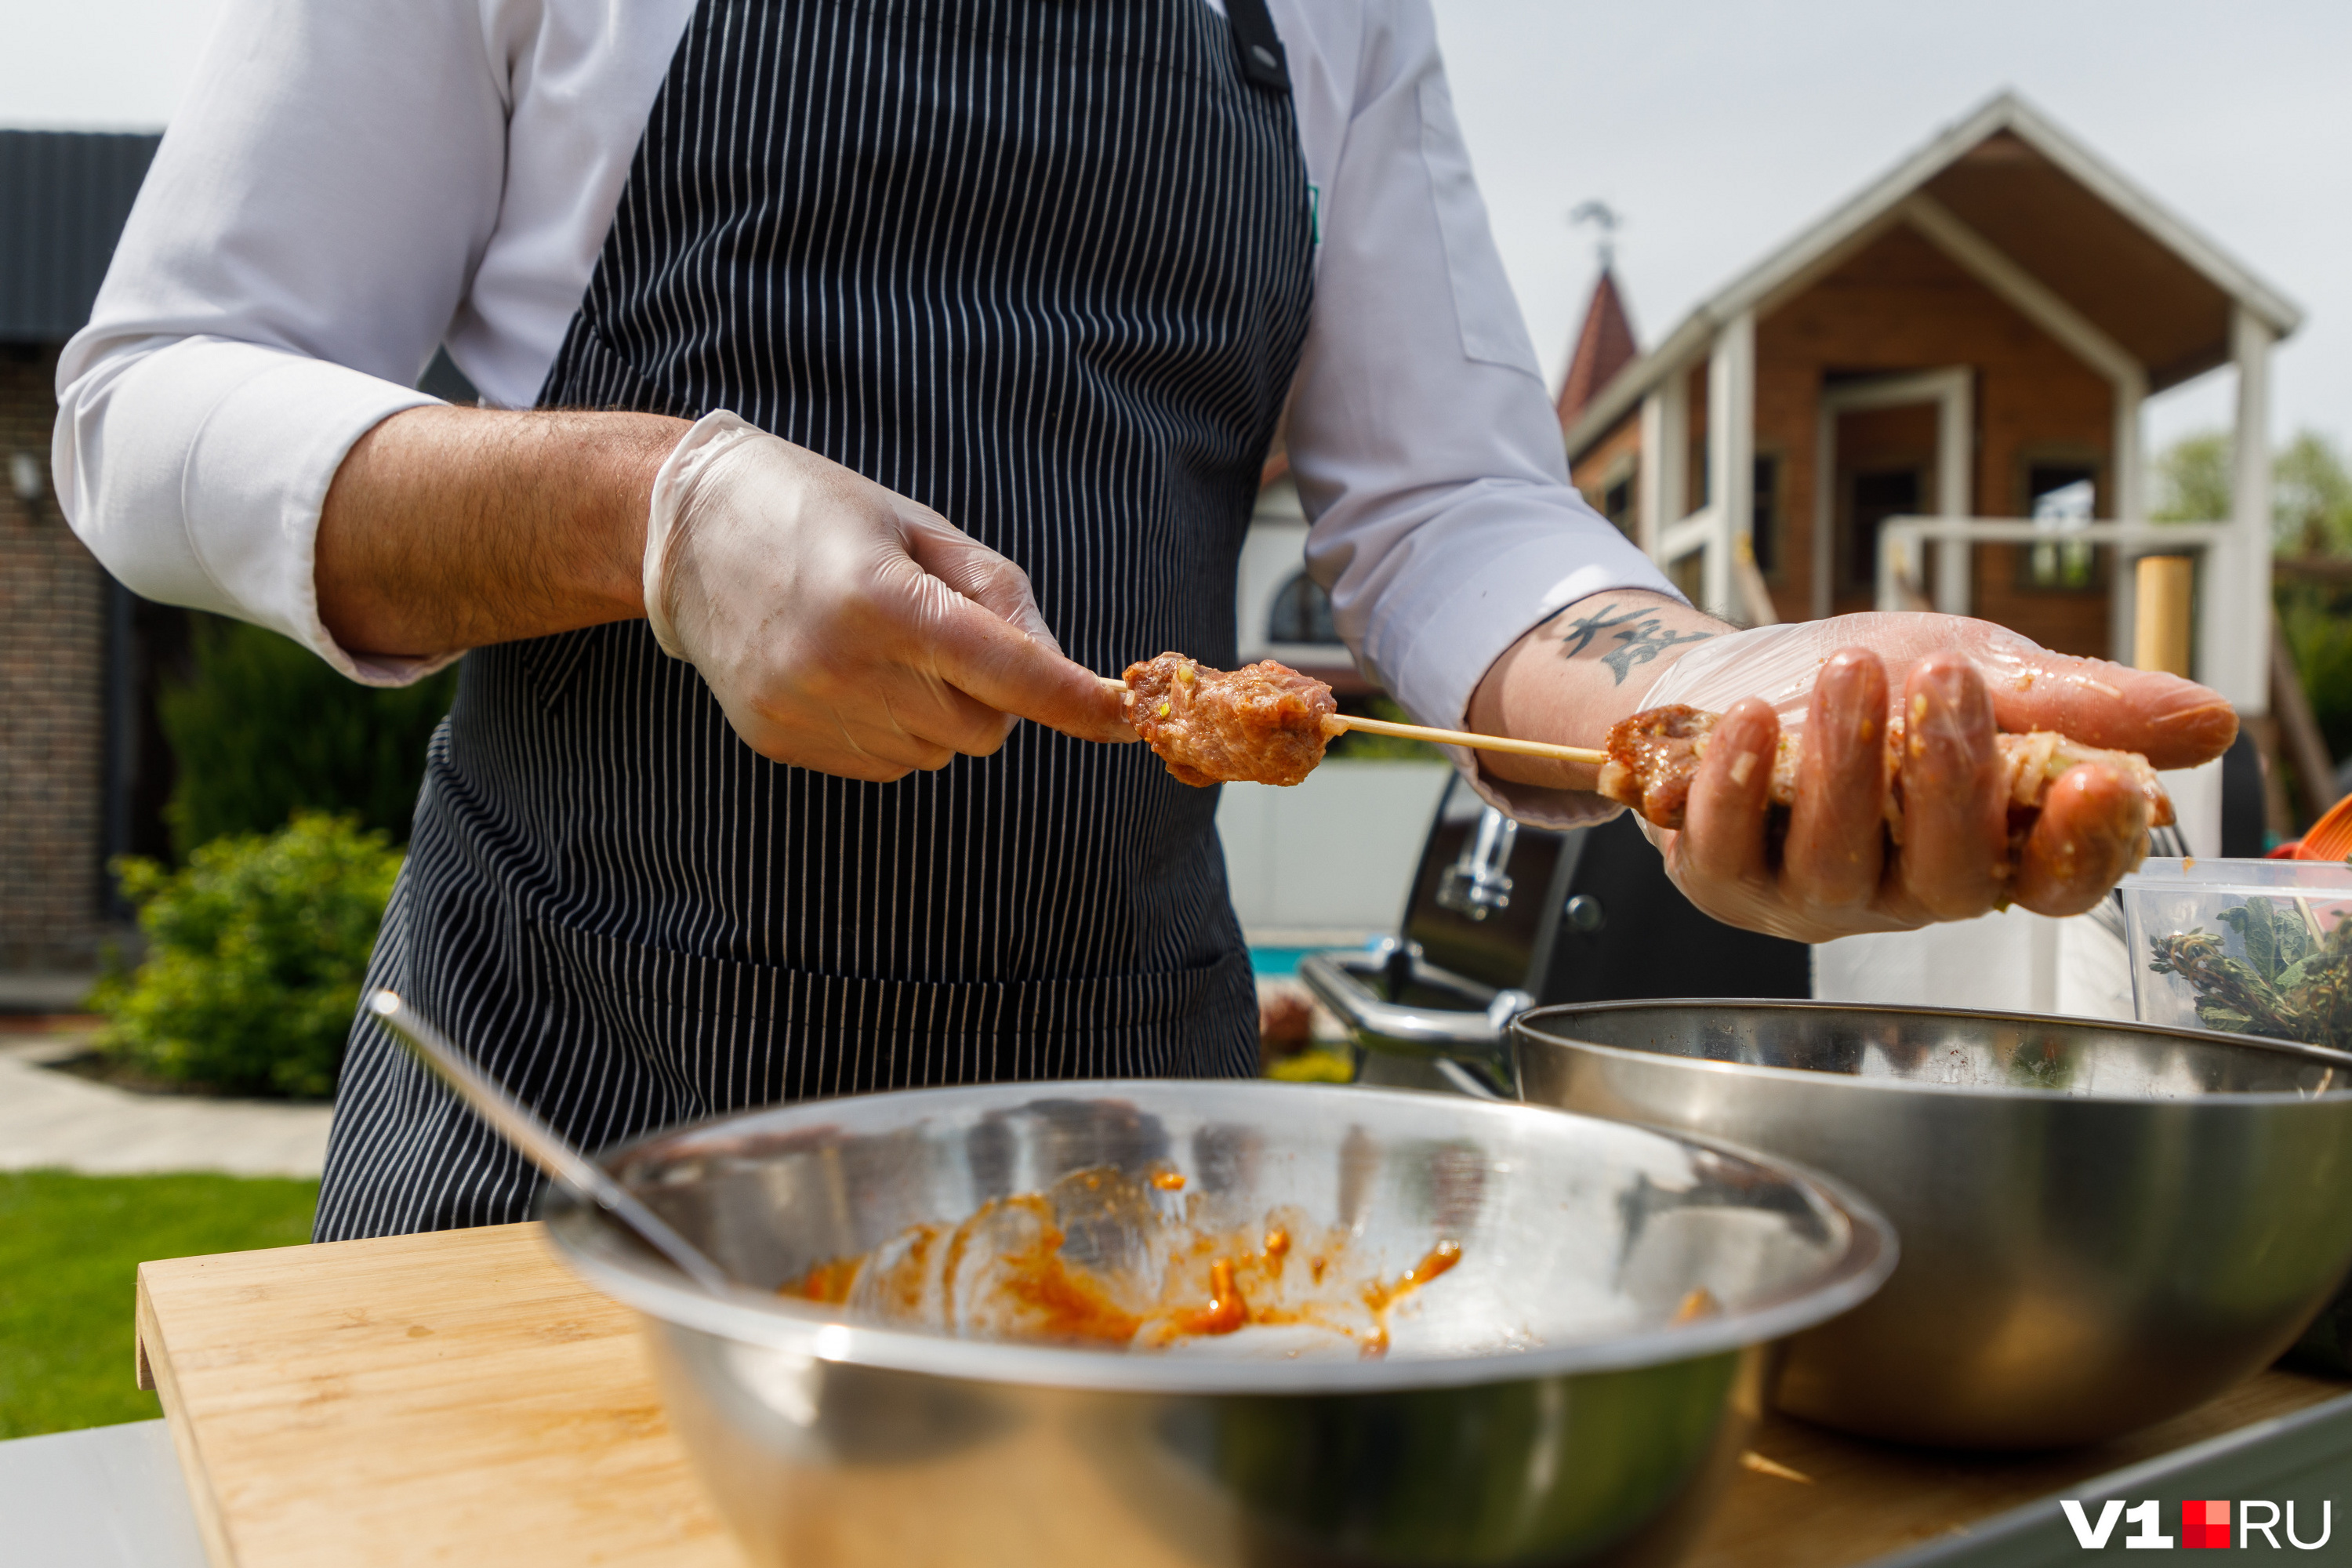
(2005, 961)
(1272, 553)
(2013, 961)
(1333, 856)
(1275, 548)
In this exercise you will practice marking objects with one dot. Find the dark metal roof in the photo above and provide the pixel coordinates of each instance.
(63, 195)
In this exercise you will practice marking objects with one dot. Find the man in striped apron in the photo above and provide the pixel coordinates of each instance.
(898, 366)
(878, 234)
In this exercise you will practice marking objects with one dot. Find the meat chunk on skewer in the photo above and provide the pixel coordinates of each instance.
(1654, 755)
(1268, 723)
(1262, 724)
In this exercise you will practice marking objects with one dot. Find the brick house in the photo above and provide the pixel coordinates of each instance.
(82, 772)
(1933, 397)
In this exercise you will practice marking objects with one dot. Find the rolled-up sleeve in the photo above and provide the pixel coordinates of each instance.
(1426, 450)
(308, 230)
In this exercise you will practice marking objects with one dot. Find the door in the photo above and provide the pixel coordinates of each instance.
(1885, 464)
(1890, 446)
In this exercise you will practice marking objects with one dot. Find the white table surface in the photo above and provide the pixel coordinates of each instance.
(108, 1496)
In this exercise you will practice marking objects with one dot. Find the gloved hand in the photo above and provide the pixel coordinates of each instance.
(2176, 723)
(1957, 681)
(842, 627)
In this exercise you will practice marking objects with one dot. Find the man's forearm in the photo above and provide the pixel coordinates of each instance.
(453, 528)
(1574, 676)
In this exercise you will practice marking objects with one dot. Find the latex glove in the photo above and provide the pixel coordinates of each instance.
(1957, 681)
(842, 627)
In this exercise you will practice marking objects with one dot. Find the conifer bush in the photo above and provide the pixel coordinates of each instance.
(262, 728)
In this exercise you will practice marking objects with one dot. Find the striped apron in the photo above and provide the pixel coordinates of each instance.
(1041, 264)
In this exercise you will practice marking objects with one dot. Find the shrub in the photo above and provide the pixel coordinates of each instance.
(2193, 479)
(2312, 486)
(264, 728)
(2318, 631)
(2311, 490)
(256, 950)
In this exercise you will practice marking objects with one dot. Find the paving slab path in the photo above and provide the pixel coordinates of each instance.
(49, 1118)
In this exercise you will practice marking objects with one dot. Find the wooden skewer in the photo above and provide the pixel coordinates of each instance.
(1338, 723)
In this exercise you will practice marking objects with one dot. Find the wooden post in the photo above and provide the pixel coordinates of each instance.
(1956, 461)
(2161, 628)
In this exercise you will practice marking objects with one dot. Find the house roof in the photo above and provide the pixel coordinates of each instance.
(63, 195)
(2007, 180)
(1603, 347)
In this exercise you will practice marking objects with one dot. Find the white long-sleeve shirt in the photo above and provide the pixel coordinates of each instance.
(349, 185)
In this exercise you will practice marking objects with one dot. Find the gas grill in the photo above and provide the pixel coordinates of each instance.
(1503, 917)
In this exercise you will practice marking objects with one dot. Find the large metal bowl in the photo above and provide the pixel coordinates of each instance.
(1538, 1404)
(2102, 1225)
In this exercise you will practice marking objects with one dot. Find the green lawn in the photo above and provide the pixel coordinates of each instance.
(70, 1248)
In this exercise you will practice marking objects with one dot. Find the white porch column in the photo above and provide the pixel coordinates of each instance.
(2234, 644)
(2129, 462)
(1664, 475)
(1730, 455)
(2127, 503)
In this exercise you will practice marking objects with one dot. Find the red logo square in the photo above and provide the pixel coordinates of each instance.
(2204, 1524)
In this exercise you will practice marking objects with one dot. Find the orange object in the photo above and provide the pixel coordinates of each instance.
(1699, 1303)
(1226, 1312)
(2164, 627)
(1438, 1260)
(1063, 1305)
(826, 1283)
(1001, 1273)
(1380, 1297)
(1442, 1256)
(2329, 838)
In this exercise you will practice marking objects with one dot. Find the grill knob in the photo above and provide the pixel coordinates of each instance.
(1584, 914)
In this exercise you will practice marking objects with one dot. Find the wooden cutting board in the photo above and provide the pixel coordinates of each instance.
(460, 1398)
(452, 1398)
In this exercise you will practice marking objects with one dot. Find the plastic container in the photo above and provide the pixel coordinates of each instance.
(2266, 917)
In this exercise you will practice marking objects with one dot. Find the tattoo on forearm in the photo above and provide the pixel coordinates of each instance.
(1640, 634)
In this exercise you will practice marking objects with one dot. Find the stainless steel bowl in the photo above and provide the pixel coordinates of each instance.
(2102, 1225)
(1538, 1404)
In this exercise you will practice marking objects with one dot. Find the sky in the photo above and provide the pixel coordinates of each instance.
(1720, 129)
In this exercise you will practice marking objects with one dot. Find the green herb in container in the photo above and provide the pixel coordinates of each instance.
(2251, 947)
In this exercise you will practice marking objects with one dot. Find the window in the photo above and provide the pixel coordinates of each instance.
(1617, 505)
(1766, 513)
(1301, 613)
(1874, 496)
(2060, 498)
